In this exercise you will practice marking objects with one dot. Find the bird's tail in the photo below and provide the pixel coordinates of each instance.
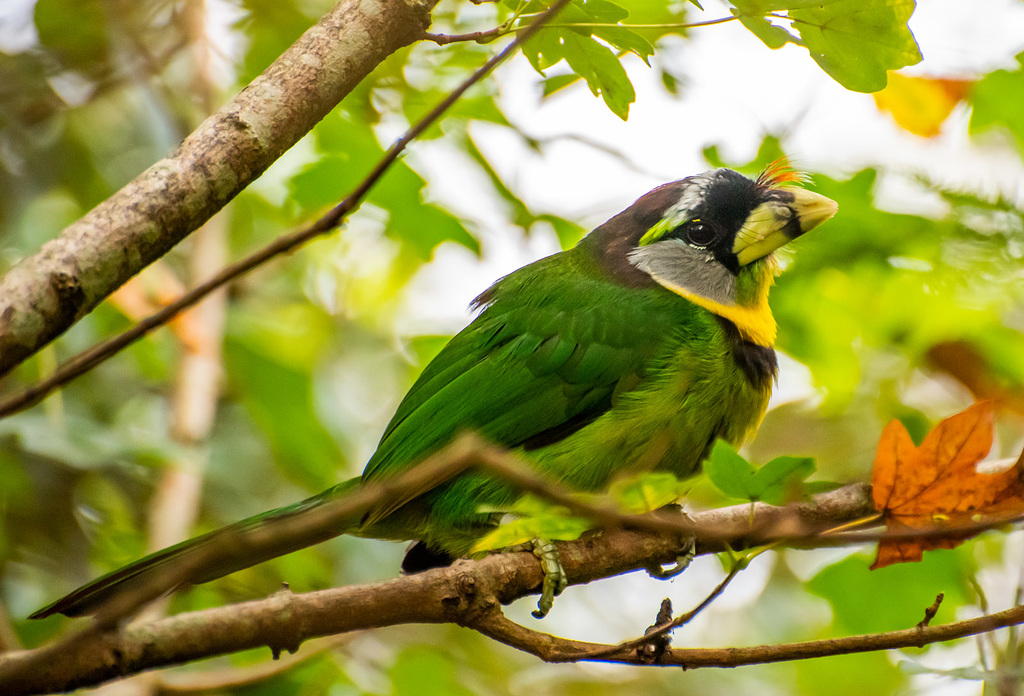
(207, 557)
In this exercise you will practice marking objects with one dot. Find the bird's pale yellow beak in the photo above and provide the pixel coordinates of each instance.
(776, 222)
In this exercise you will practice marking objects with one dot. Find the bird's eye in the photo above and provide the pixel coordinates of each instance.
(699, 234)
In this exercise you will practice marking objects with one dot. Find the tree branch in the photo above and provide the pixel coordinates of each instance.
(45, 294)
(553, 649)
(481, 37)
(469, 593)
(90, 358)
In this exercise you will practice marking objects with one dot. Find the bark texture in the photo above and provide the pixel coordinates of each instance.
(45, 294)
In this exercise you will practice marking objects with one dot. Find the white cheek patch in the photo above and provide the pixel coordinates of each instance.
(676, 265)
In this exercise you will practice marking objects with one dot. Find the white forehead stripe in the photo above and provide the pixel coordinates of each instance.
(692, 196)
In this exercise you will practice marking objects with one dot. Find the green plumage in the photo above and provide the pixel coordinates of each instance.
(637, 378)
(590, 364)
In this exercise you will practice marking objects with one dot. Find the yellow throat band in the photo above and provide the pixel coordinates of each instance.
(755, 322)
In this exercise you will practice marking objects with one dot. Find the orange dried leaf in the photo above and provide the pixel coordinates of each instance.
(937, 485)
(921, 104)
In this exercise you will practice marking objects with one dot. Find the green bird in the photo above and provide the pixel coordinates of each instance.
(633, 351)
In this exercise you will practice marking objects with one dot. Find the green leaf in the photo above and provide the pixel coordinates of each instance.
(424, 226)
(545, 49)
(323, 183)
(876, 674)
(273, 26)
(603, 11)
(588, 58)
(777, 479)
(552, 84)
(729, 471)
(857, 41)
(816, 487)
(670, 82)
(772, 35)
(865, 601)
(626, 40)
(420, 226)
(639, 494)
(596, 64)
(763, 7)
(568, 232)
(555, 525)
(738, 478)
(998, 100)
(425, 671)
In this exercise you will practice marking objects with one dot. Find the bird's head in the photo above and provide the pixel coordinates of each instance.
(710, 238)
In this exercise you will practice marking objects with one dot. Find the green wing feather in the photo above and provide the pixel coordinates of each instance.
(556, 343)
(542, 355)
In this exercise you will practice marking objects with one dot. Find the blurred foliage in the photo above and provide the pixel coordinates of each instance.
(894, 315)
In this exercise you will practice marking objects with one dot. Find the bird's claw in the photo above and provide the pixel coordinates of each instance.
(554, 576)
(683, 561)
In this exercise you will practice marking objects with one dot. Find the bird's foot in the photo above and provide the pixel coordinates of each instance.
(683, 561)
(554, 576)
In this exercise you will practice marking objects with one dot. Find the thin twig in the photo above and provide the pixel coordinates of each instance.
(554, 649)
(488, 35)
(931, 611)
(85, 361)
(481, 37)
(680, 620)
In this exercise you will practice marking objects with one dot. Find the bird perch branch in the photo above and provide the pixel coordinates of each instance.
(469, 593)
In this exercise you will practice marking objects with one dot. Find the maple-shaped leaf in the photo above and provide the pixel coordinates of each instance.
(937, 485)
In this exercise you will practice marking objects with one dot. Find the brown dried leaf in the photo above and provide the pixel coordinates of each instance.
(937, 485)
